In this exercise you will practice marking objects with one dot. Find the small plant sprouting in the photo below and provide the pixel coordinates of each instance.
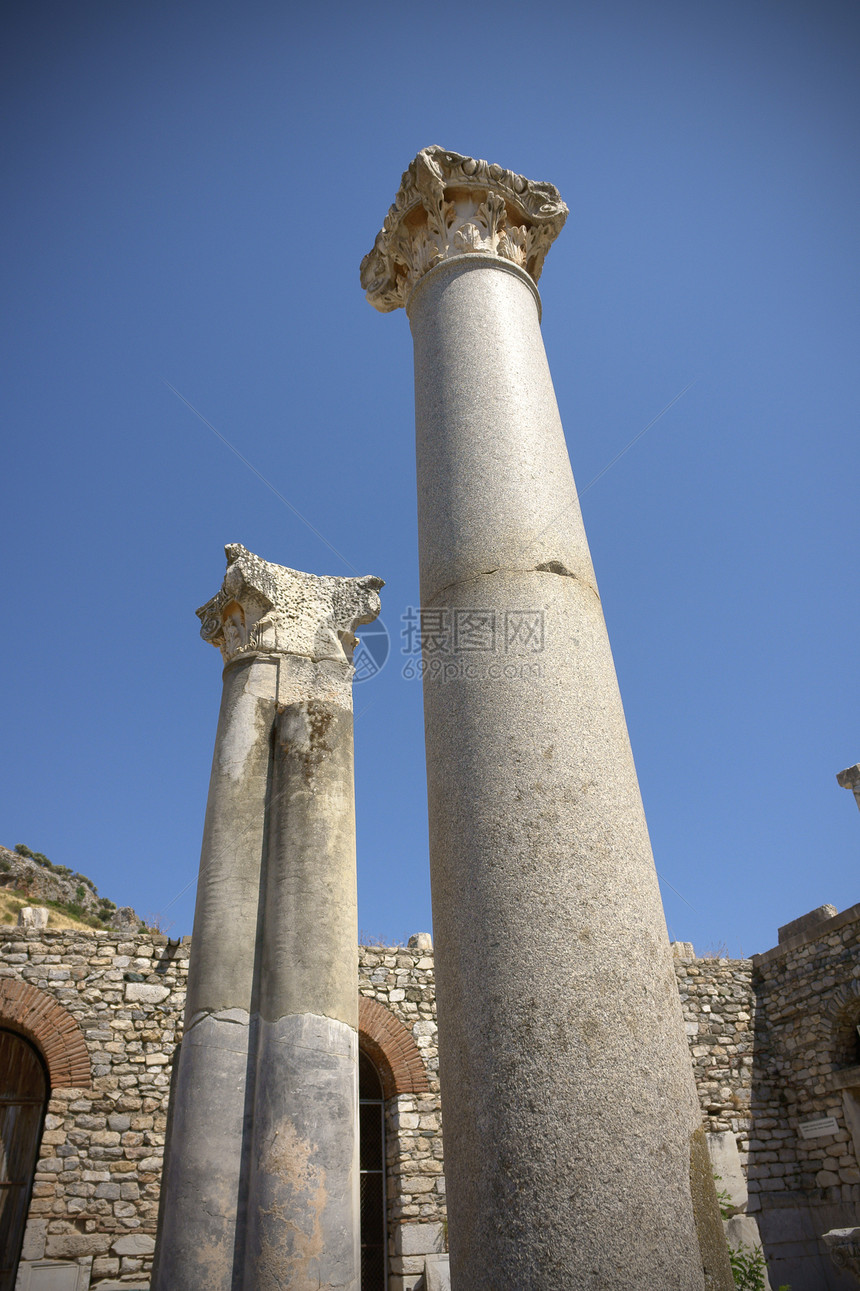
(748, 1268)
(727, 1209)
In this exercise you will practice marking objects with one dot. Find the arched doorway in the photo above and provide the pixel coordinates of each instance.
(23, 1099)
(374, 1237)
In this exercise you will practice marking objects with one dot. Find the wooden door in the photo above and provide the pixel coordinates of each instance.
(23, 1096)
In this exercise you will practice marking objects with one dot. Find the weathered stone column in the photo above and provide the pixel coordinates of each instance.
(261, 1173)
(571, 1122)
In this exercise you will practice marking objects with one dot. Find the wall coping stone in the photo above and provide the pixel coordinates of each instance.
(814, 933)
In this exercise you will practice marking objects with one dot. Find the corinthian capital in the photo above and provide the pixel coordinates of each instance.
(451, 205)
(269, 609)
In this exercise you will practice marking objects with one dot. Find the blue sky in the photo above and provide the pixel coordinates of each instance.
(189, 191)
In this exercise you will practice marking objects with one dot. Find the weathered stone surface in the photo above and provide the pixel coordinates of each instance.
(124, 919)
(843, 1247)
(74, 1245)
(418, 1239)
(742, 1232)
(134, 1244)
(273, 973)
(567, 1025)
(437, 1273)
(303, 1226)
(850, 779)
(805, 922)
(54, 1275)
(726, 1163)
(33, 917)
(144, 993)
(716, 1268)
(270, 609)
(451, 205)
(36, 1232)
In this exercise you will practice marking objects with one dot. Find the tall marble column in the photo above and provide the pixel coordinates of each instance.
(573, 1141)
(261, 1172)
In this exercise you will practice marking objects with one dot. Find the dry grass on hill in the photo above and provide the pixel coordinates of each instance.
(11, 903)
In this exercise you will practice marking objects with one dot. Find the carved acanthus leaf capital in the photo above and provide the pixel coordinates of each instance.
(269, 609)
(451, 205)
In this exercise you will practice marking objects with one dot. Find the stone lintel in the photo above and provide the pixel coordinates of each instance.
(264, 608)
(449, 205)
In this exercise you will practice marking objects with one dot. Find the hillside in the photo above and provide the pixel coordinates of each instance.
(28, 878)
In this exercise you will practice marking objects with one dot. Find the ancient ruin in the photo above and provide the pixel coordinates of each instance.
(772, 1041)
(261, 1176)
(260, 1106)
(544, 887)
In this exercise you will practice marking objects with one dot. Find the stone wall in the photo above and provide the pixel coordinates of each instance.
(96, 1191)
(95, 1196)
(719, 1017)
(806, 1069)
(775, 1049)
(403, 981)
(773, 1043)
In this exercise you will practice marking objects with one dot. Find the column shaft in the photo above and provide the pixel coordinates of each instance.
(207, 1152)
(261, 1175)
(304, 1175)
(568, 1101)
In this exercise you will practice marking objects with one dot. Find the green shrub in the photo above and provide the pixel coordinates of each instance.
(749, 1268)
(23, 850)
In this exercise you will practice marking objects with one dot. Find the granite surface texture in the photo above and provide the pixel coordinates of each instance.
(568, 1094)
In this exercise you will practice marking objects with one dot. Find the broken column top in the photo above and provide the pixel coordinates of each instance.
(264, 608)
(449, 205)
(850, 779)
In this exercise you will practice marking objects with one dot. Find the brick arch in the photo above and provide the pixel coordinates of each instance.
(55, 1033)
(390, 1047)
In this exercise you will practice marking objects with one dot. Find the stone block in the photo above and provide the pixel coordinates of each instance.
(726, 1163)
(437, 1273)
(34, 1239)
(786, 1224)
(742, 1230)
(133, 1244)
(124, 1286)
(143, 993)
(54, 1275)
(418, 1239)
(72, 1246)
(33, 917)
(805, 922)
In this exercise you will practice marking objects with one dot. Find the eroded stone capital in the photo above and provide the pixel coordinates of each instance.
(451, 205)
(850, 779)
(843, 1247)
(269, 609)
